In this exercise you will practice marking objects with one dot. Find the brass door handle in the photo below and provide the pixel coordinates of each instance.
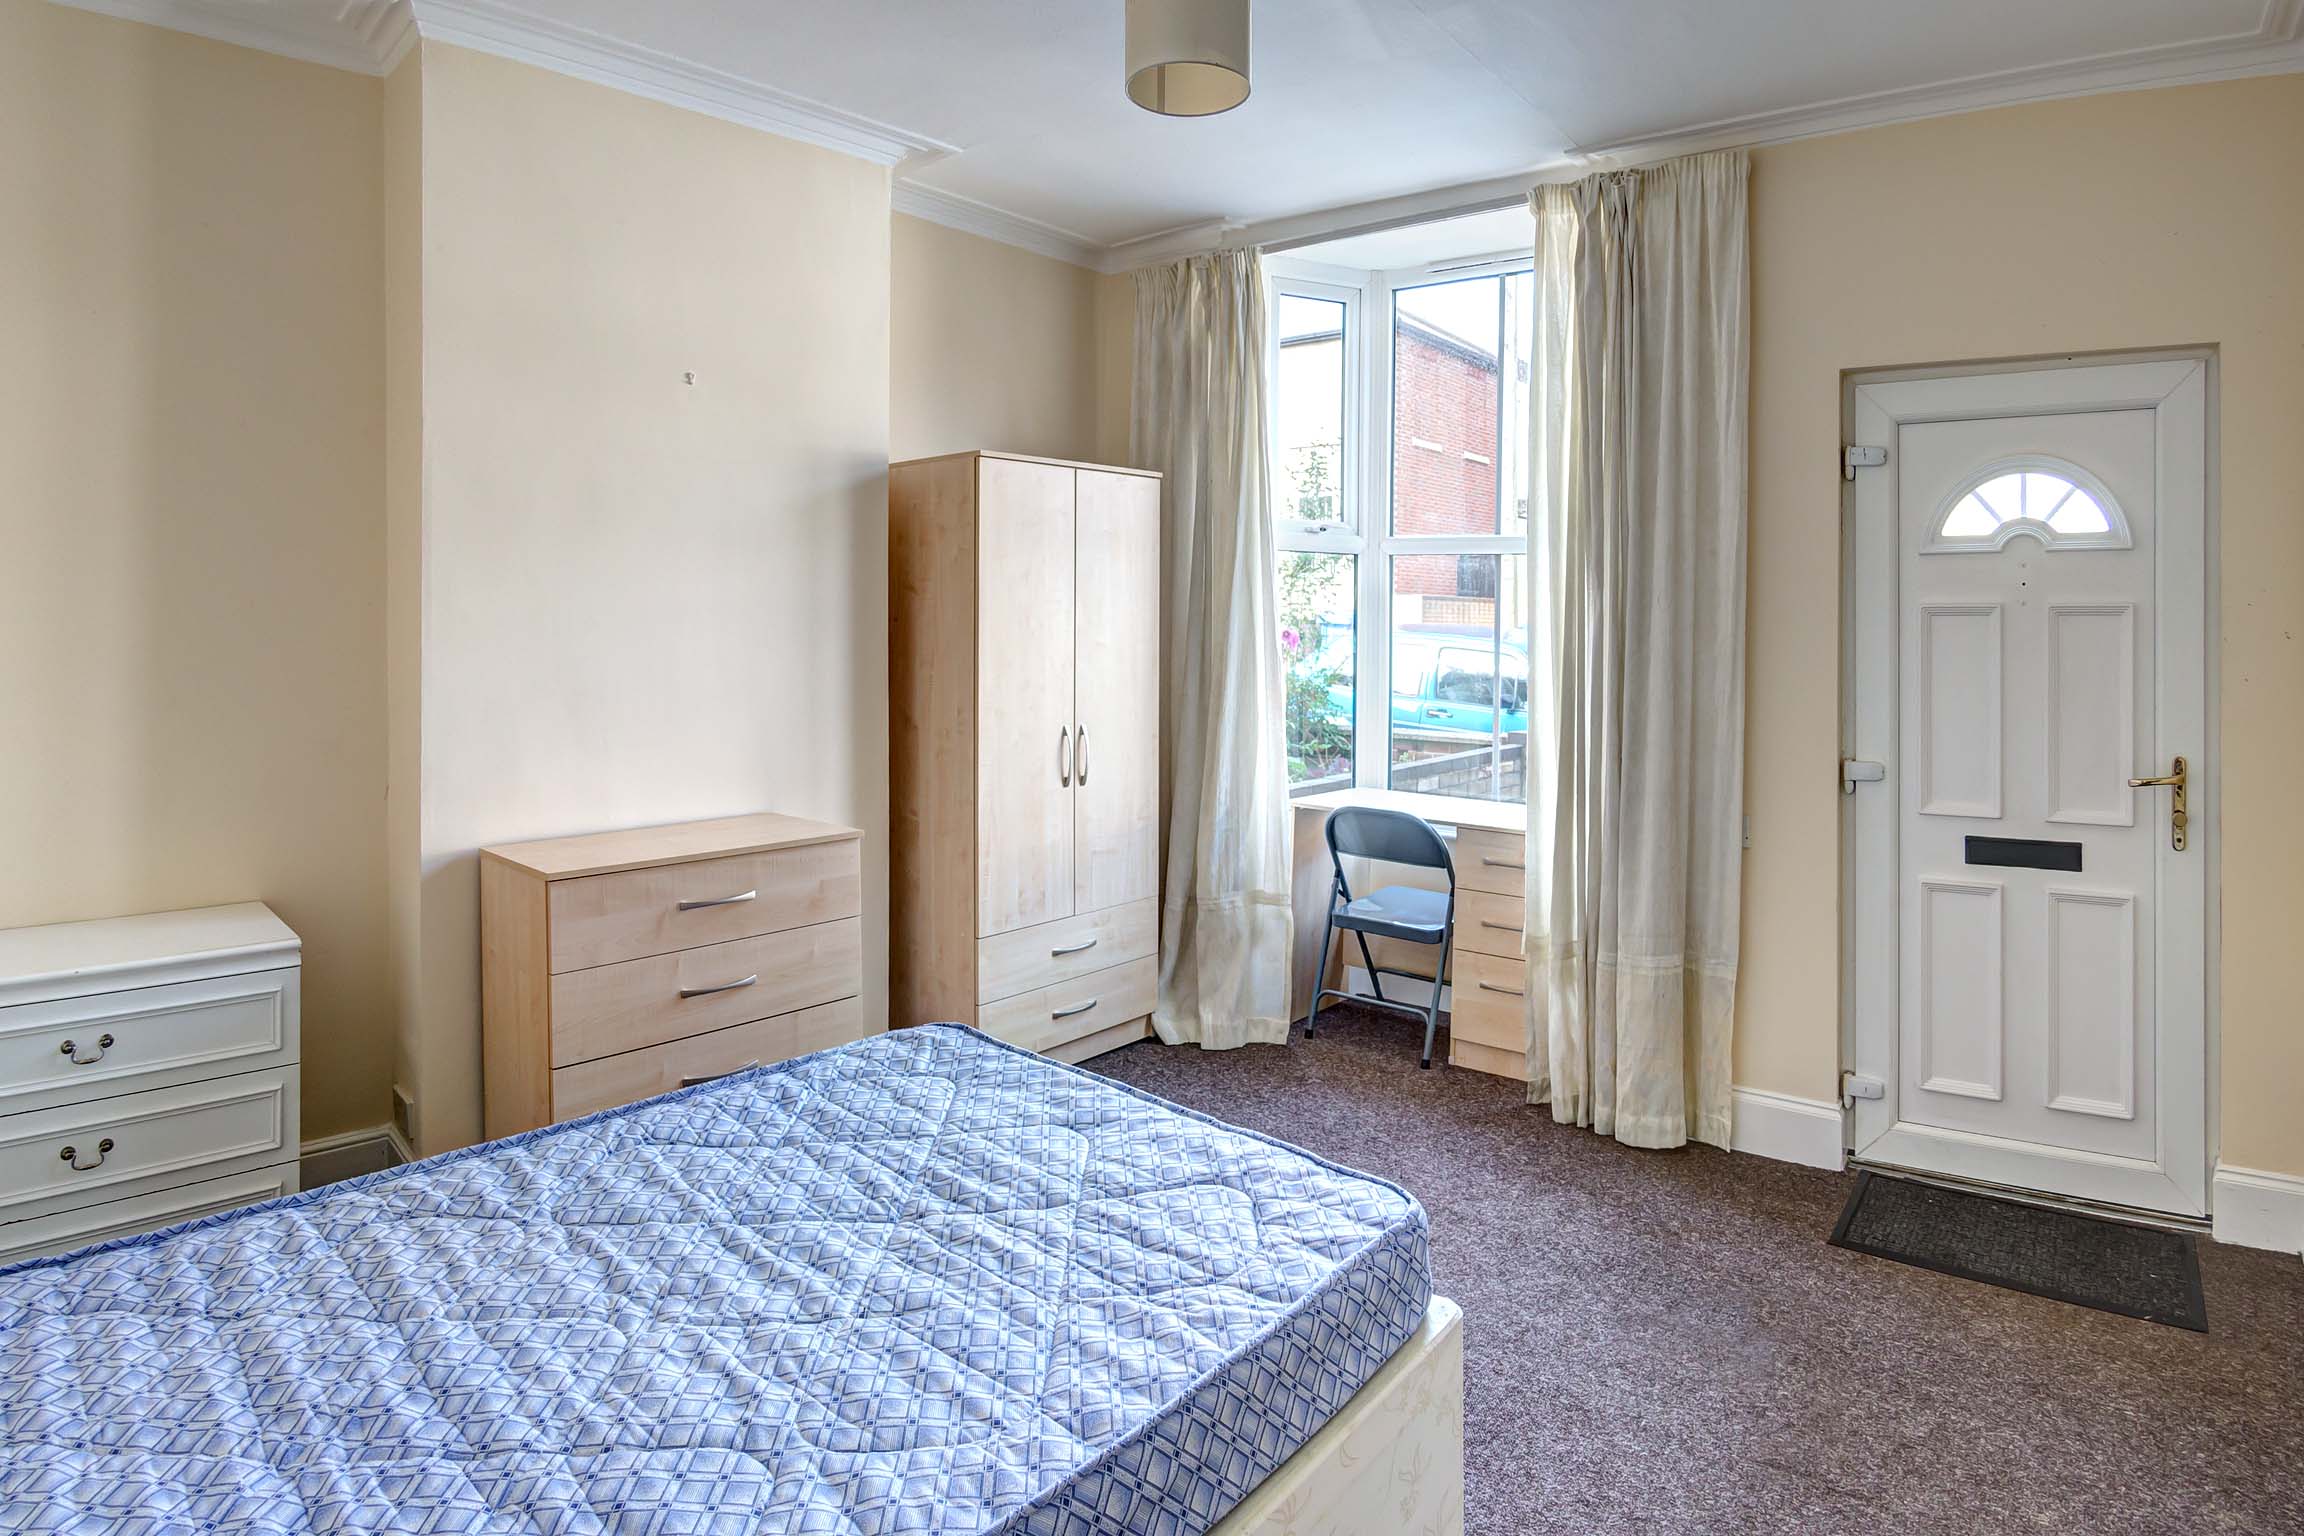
(2178, 818)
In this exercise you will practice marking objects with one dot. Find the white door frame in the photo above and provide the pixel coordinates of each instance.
(2179, 388)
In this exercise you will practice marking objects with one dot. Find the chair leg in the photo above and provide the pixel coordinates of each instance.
(1319, 979)
(1375, 982)
(1431, 1024)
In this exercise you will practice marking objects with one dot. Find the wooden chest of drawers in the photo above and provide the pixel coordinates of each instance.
(621, 965)
(148, 1073)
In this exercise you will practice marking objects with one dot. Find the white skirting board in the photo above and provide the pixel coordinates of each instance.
(1777, 1125)
(2255, 1209)
(347, 1155)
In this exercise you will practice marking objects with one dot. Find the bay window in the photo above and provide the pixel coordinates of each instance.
(1401, 484)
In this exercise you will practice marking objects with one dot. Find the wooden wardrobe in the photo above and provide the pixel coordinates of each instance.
(1024, 731)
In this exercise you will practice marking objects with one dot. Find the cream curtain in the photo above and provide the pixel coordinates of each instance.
(1199, 419)
(1635, 814)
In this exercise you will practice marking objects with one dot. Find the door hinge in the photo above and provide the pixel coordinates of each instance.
(1856, 770)
(1856, 456)
(1855, 1085)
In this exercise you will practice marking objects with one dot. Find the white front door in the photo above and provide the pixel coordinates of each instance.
(2029, 616)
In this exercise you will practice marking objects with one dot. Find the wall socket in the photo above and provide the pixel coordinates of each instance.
(404, 1114)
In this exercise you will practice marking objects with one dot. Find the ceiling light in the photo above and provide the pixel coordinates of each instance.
(1187, 58)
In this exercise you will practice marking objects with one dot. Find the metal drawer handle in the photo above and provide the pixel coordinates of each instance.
(713, 1077)
(1487, 922)
(71, 1048)
(72, 1155)
(1071, 949)
(1065, 1013)
(726, 986)
(1489, 986)
(1501, 863)
(1064, 757)
(1080, 756)
(719, 901)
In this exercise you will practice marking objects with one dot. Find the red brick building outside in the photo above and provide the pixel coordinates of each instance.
(1444, 467)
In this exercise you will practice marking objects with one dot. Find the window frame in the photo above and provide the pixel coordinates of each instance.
(1366, 485)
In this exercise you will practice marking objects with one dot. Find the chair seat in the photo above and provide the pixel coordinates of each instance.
(1398, 912)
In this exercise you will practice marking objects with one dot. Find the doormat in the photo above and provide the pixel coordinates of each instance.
(2113, 1266)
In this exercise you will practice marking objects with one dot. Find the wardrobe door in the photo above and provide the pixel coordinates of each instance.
(1116, 797)
(1024, 623)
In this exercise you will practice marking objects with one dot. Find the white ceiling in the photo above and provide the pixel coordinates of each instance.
(1014, 107)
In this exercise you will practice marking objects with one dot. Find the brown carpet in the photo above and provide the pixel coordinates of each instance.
(1664, 1341)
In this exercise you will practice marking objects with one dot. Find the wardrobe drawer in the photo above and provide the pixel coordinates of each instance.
(51, 1158)
(100, 1223)
(1084, 1005)
(612, 1008)
(1486, 1001)
(1490, 861)
(1489, 924)
(77, 1048)
(614, 1080)
(1030, 958)
(601, 919)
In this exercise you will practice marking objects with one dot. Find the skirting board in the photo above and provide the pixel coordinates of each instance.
(2256, 1209)
(348, 1154)
(1777, 1125)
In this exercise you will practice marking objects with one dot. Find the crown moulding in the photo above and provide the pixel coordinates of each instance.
(373, 36)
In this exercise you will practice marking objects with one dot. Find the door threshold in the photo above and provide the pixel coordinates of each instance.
(2196, 1225)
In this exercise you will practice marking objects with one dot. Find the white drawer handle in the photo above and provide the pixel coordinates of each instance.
(1071, 949)
(726, 986)
(1065, 1013)
(1489, 986)
(72, 1155)
(1489, 922)
(71, 1048)
(719, 901)
(713, 1077)
(1501, 863)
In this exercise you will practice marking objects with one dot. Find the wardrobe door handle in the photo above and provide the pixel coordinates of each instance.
(719, 901)
(1080, 755)
(1489, 986)
(1065, 1013)
(72, 1155)
(1071, 949)
(71, 1048)
(726, 986)
(1064, 757)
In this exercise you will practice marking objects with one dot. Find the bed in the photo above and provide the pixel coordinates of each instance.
(926, 1282)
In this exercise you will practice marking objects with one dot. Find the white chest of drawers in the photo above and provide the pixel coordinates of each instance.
(148, 1073)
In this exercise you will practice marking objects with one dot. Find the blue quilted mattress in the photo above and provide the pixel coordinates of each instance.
(921, 1283)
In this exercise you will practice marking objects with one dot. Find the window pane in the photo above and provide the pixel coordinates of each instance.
(1446, 405)
(1318, 642)
(1308, 410)
(1460, 675)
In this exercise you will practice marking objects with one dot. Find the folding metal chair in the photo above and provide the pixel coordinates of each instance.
(1404, 912)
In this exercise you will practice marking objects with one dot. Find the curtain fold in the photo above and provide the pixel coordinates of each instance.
(1199, 418)
(1635, 814)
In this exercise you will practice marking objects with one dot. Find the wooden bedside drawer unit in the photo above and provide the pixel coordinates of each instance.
(617, 965)
(1490, 861)
(148, 1073)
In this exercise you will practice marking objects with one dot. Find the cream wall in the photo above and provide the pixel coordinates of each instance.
(191, 521)
(2158, 218)
(654, 438)
(990, 347)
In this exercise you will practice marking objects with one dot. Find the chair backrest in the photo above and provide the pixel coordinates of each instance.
(1395, 837)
